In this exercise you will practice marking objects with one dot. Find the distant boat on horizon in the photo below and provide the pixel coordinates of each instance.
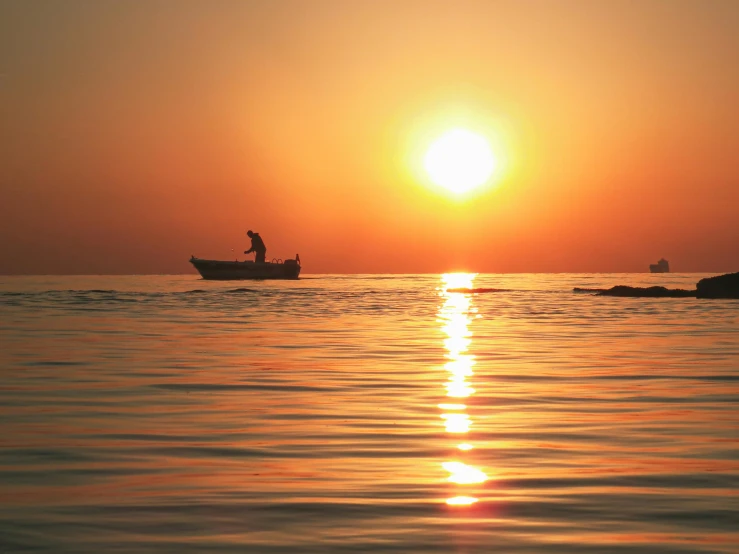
(235, 271)
(662, 266)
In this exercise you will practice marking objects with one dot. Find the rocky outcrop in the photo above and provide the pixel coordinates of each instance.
(587, 290)
(723, 286)
(646, 292)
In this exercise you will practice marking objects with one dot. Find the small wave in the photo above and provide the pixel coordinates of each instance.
(477, 291)
(215, 387)
(54, 363)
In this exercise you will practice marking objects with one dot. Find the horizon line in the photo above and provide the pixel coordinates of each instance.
(374, 273)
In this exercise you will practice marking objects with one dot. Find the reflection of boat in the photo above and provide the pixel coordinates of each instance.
(661, 266)
(220, 270)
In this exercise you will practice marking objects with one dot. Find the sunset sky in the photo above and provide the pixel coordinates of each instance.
(133, 134)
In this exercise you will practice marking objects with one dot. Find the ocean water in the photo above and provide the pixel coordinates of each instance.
(366, 414)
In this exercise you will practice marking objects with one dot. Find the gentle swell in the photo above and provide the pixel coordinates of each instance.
(171, 414)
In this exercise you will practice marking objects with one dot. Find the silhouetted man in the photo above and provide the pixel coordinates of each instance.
(257, 246)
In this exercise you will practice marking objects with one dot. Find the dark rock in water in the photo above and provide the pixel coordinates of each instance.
(586, 290)
(722, 286)
(475, 291)
(648, 292)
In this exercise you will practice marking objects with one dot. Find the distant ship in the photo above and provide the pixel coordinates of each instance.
(661, 266)
(228, 271)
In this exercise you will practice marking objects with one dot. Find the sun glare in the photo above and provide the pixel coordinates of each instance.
(460, 160)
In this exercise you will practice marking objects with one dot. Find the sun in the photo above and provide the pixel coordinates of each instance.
(460, 160)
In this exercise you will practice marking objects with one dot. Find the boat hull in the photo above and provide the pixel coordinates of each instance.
(237, 271)
(662, 266)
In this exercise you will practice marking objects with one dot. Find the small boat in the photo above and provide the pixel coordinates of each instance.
(661, 266)
(225, 271)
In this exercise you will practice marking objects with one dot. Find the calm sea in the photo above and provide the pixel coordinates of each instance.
(366, 414)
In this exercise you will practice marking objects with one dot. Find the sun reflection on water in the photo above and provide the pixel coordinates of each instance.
(461, 501)
(464, 474)
(454, 316)
(457, 423)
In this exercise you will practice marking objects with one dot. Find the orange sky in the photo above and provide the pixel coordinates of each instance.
(133, 134)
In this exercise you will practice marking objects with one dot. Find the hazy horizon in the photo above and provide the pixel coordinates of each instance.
(308, 274)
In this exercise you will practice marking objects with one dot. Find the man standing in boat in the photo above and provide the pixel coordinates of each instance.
(257, 246)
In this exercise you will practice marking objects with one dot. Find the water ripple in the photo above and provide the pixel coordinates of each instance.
(365, 414)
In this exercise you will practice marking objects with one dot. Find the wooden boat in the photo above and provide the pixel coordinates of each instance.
(224, 271)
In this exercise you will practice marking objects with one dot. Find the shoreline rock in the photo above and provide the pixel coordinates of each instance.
(647, 292)
(721, 286)
(587, 290)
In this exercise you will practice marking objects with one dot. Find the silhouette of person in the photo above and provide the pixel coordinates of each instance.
(257, 246)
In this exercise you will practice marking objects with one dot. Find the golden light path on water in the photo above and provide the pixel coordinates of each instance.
(454, 315)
